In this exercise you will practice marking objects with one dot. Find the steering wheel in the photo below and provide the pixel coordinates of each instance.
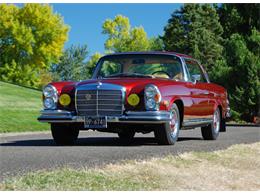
(163, 72)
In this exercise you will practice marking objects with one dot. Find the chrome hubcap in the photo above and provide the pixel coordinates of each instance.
(174, 123)
(216, 121)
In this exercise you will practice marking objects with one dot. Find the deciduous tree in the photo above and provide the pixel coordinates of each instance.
(31, 39)
(123, 38)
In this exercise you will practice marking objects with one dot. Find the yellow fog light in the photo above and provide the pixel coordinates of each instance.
(64, 99)
(133, 99)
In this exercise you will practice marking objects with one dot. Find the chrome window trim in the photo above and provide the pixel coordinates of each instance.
(185, 70)
(200, 66)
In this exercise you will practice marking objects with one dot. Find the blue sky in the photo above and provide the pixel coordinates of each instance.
(86, 20)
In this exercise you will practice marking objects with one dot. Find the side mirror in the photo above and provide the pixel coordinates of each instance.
(195, 78)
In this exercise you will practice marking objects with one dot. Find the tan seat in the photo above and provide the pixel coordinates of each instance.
(178, 77)
(161, 76)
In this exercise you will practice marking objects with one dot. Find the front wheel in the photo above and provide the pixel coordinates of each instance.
(64, 134)
(211, 132)
(169, 132)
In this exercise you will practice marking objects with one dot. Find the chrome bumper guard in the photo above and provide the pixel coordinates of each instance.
(228, 113)
(62, 116)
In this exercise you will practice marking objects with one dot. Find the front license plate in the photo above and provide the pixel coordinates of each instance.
(95, 122)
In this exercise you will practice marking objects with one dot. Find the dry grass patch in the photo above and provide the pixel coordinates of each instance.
(236, 168)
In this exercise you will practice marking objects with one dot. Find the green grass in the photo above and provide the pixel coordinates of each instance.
(69, 179)
(19, 109)
(232, 169)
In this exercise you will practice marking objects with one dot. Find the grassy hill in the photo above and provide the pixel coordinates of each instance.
(19, 109)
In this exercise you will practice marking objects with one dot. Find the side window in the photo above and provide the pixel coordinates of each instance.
(194, 69)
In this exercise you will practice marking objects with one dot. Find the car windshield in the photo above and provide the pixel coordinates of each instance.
(140, 66)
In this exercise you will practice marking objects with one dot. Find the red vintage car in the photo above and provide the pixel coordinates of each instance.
(160, 92)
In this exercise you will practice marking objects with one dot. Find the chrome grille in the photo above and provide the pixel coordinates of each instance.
(99, 102)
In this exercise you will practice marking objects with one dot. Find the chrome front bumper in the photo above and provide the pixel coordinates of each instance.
(62, 116)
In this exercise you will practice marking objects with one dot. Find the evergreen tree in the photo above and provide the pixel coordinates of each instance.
(226, 39)
(91, 64)
(72, 64)
(239, 18)
(241, 35)
(195, 30)
(245, 87)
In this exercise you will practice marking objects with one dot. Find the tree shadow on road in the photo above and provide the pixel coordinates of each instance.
(94, 141)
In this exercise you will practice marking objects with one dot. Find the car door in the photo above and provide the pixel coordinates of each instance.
(210, 93)
(198, 90)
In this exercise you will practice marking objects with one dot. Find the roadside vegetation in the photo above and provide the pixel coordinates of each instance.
(235, 168)
(19, 109)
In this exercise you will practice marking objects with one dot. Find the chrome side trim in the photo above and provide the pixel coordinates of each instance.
(196, 122)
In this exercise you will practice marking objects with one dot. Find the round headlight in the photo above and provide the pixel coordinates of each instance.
(49, 103)
(150, 104)
(150, 91)
(152, 97)
(49, 91)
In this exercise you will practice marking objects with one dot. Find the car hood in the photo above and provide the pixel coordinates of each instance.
(133, 85)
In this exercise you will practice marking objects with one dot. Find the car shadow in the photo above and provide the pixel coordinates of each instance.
(181, 139)
(95, 141)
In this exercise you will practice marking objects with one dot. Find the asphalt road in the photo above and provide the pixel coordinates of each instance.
(22, 153)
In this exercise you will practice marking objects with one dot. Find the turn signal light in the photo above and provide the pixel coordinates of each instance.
(133, 99)
(64, 99)
(157, 97)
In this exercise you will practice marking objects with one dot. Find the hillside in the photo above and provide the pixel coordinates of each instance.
(19, 109)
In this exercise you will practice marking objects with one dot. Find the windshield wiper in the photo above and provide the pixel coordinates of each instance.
(138, 75)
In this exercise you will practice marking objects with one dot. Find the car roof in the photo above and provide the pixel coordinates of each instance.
(151, 53)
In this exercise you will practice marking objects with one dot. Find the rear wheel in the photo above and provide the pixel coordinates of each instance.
(211, 132)
(64, 134)
(169, 132)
